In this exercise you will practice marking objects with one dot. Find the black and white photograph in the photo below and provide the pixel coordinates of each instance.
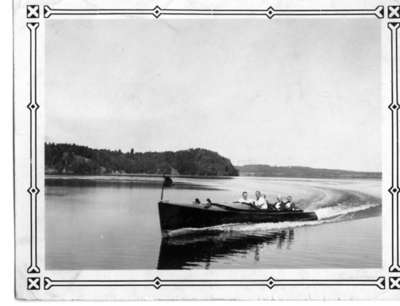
(262, 141)
(187, 151)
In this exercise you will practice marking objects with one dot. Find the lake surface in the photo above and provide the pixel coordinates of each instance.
(111, 222)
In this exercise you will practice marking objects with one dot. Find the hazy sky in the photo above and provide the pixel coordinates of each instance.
(282, 91)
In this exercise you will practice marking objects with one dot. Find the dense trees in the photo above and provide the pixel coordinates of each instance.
(75, 159)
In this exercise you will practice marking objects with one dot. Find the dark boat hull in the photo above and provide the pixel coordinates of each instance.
(176, 216)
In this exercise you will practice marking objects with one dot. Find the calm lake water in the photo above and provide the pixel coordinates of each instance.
(111, 222)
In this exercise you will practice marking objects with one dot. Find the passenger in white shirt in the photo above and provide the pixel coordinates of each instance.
(278, 204)
(244, 199)
(260, 201)
(289, 205)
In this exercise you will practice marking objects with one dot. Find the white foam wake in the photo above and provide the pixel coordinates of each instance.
(341, 210)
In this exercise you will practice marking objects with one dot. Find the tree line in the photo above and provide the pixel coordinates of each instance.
(76, 159)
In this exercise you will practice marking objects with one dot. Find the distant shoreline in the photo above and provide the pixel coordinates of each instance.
(261, 170)
(55, 175)
(72, 159)
(75, 159)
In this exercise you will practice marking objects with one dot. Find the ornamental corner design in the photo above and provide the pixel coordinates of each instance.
(33, 283)
(393, 11)
(32, 11)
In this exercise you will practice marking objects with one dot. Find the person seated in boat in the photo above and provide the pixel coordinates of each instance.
(278, 204)
(196, 201)
(244, 199)
(209, 203)
(260, 202)
(289, 205)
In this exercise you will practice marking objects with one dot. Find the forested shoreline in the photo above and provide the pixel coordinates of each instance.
(62, 158)
(76, 159)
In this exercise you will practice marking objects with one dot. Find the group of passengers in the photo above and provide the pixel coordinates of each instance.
(261, 202)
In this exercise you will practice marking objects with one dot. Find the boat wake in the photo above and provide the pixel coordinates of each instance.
(330, 205)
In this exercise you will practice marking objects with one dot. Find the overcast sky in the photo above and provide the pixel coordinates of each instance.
(281, 92)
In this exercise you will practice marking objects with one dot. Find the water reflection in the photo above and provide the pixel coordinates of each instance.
(188, 251)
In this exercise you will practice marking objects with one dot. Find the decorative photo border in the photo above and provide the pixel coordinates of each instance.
(389, 14)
